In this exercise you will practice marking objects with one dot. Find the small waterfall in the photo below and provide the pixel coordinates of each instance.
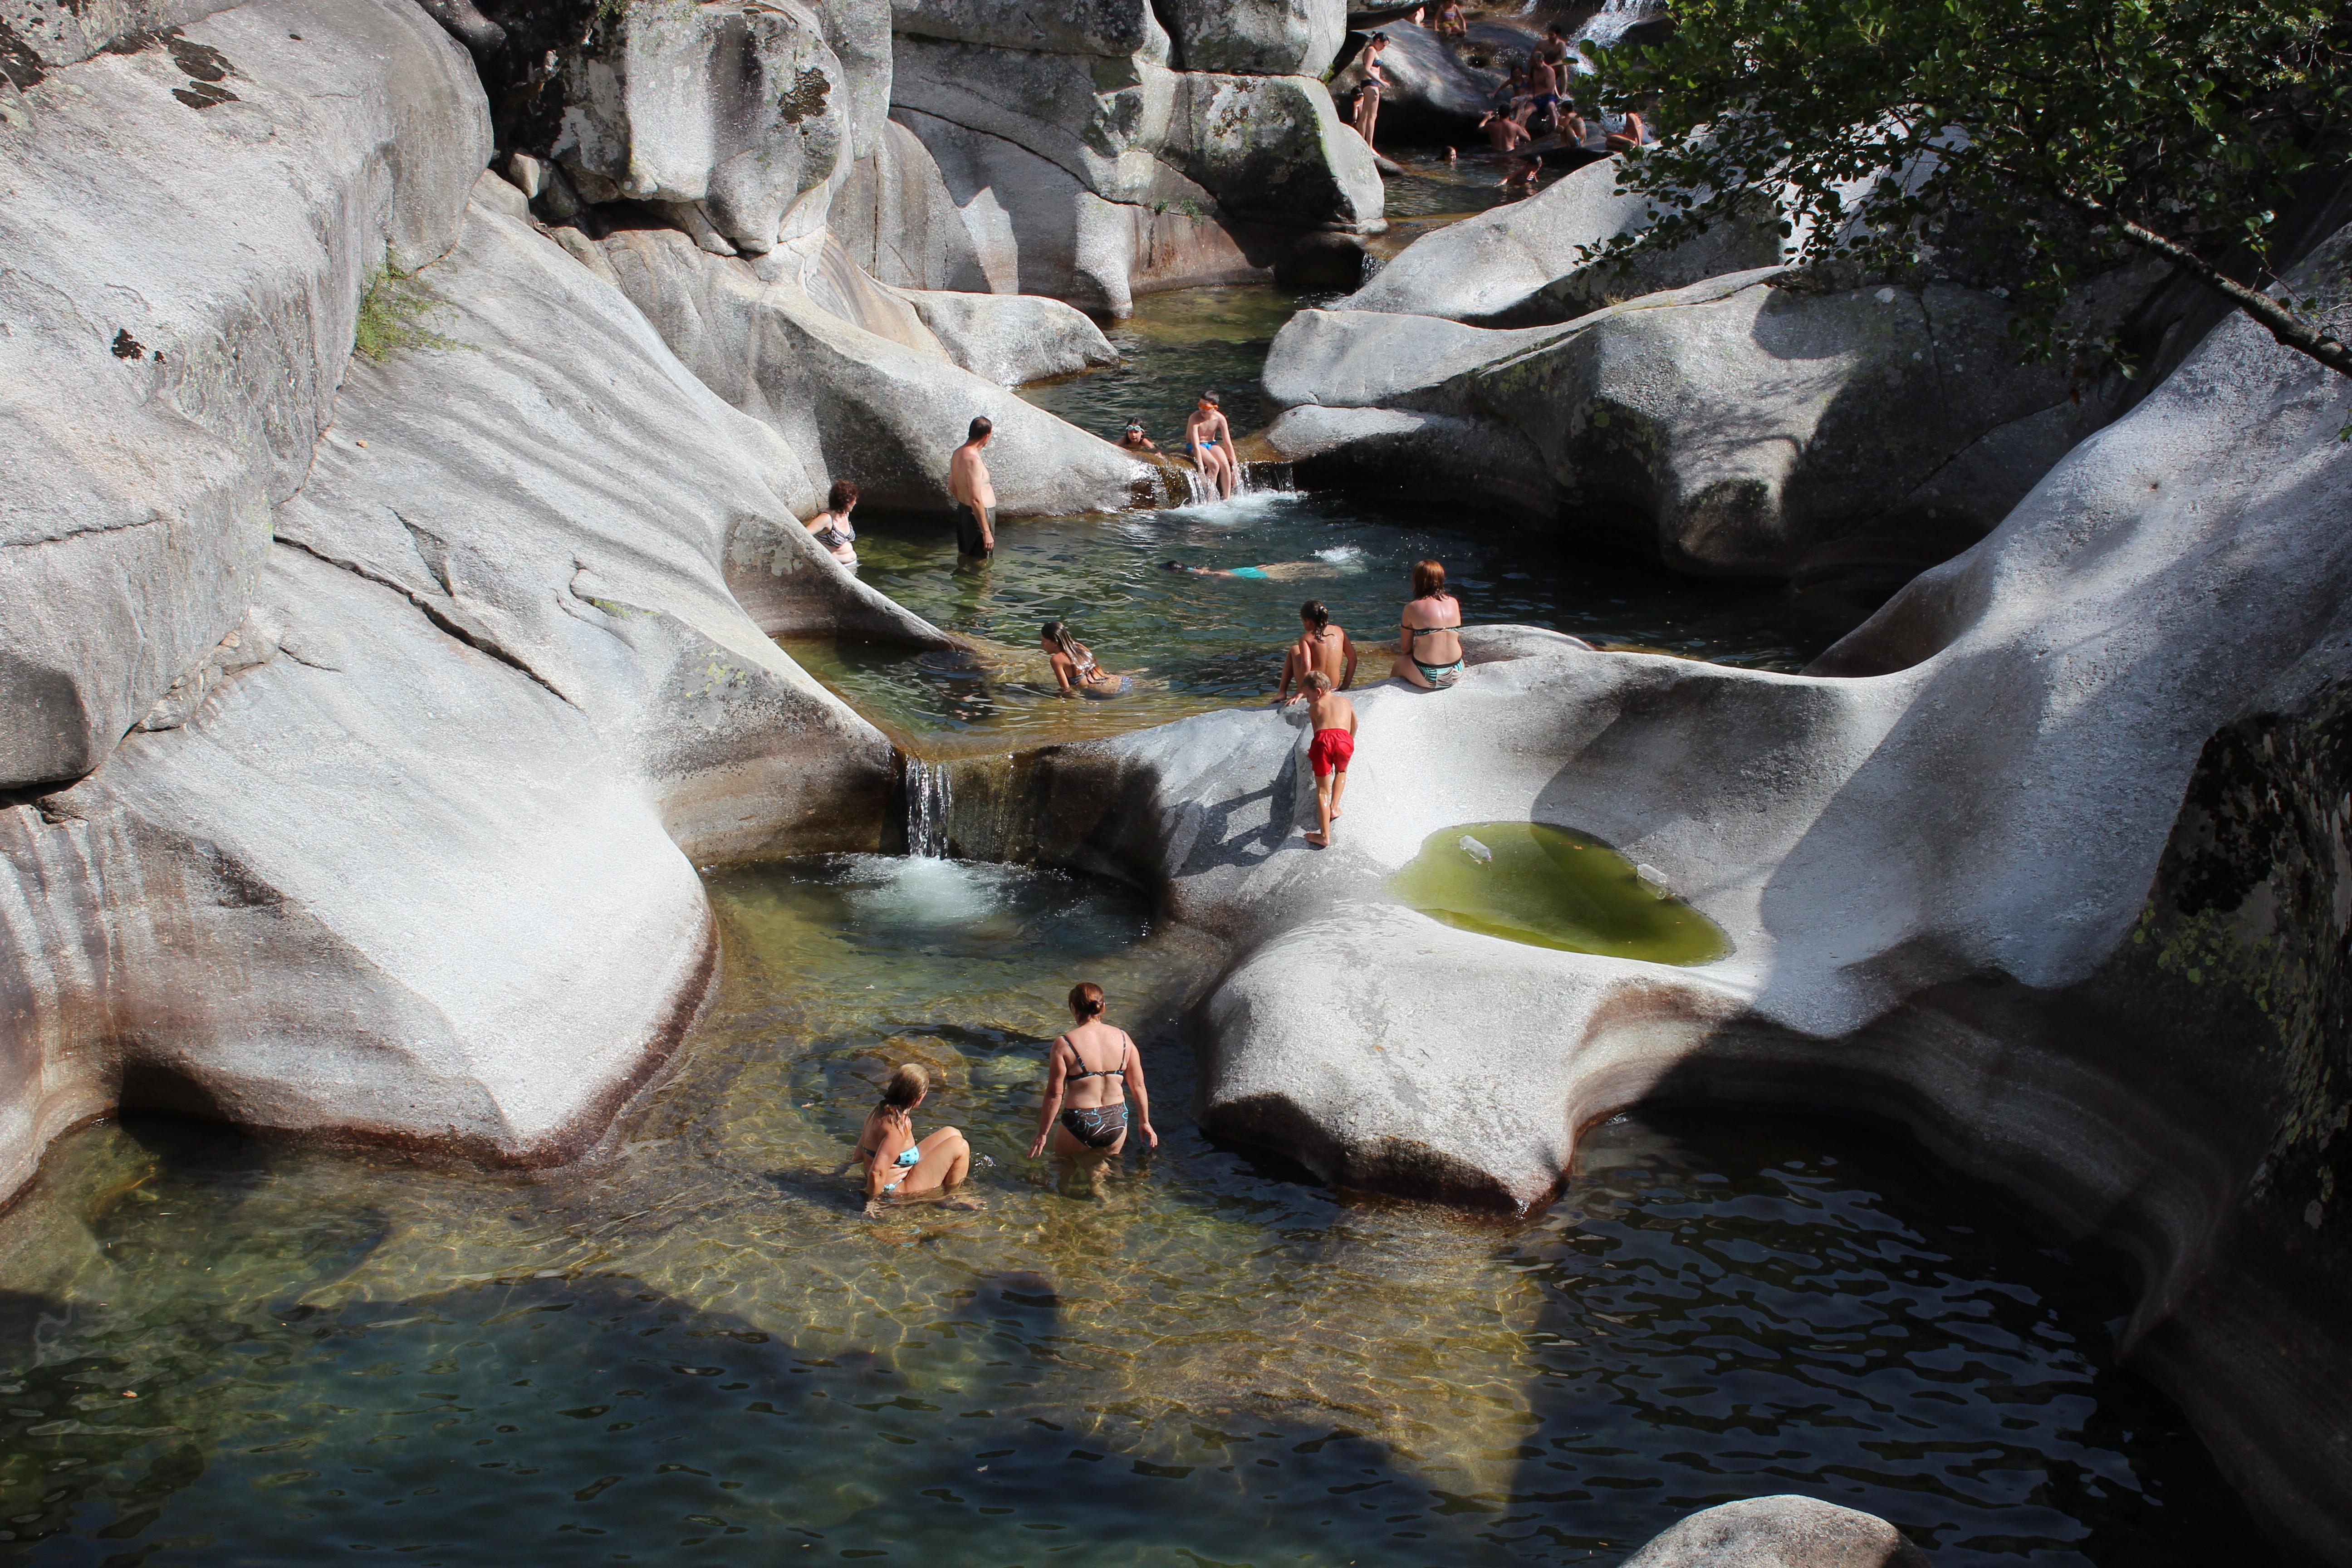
(930, 800)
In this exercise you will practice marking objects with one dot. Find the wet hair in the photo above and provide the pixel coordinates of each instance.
(1210, 398)
(1087, 999)
(1313, 613)
(1429, 579)
(1057, 634)
(1320, 681)
(980, 425)
(841, 497)
(907, 1085)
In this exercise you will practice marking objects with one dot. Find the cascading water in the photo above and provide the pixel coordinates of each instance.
(930, 799)
(1610, 22)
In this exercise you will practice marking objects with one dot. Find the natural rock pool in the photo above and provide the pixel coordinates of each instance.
(1549, 887)
(698, 1347)
(1196, 643)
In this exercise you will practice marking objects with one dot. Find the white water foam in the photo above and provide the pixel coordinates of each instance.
(1246, 507)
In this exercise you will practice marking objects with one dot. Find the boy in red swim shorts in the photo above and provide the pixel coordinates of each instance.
(1333, 718)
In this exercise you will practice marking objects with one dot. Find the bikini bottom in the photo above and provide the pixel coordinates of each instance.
(1096, 1126)
(1126, 684)
(1439, 674)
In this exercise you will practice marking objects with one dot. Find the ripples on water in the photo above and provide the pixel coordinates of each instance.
(1198, 643)
(700, 1348)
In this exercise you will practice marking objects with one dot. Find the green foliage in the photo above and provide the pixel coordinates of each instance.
(390, 311)
(2033, 144)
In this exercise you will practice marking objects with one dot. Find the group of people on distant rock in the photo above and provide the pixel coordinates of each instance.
(1094, 1079)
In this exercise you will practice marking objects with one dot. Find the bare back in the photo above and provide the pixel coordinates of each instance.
(967, 480)
(1326, 651)
(1435, 623)
(1329, 711)
(1101, 1052)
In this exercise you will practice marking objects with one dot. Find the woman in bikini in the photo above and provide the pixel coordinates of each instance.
(1092, 1074)
(832, 526)
(1074, 668)
(1320, 646)
(1368, 97)
(1432, 626)
(896, 1164)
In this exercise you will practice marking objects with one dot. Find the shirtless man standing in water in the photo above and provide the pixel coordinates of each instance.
(974, 496)
(1212, 443)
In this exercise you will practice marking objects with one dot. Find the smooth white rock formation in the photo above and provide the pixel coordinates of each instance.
(1516, 264)
(1787, 1531)
(857, 405)
(411, 870)
(1267, 37)
(895, 217)
(1011, 338)
(743, 112)
(1109, 28)
(188, 229)
(1753, 424)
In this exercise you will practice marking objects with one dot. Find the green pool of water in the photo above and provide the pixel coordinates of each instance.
(1552, 887)
(698, 1347)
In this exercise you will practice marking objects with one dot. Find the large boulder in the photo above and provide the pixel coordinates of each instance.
(1896, 415)
(1011, 338)
(895, 218)
(1109, 28)
(1780, 1532)
(860, 405)
(1085, 174)
(190, 228)
(410, 867)
(1518, 265)
(739, 112)
(1962, 894)
(1432, 93)
(38, 36)
(1267, 37)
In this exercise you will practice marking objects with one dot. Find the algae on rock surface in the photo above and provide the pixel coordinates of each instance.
(1552, 887)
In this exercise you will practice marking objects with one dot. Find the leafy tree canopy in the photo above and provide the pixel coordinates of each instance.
(2066, 134)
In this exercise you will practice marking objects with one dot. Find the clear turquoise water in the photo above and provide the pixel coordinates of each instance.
(700, 1348)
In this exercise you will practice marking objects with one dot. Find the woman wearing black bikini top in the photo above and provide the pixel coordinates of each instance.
(1091, 1074)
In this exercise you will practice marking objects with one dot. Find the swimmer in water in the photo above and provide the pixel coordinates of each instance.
(1272, 572)
(897, 1164)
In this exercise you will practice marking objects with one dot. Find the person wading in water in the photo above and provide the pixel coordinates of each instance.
(974, 495)
(1092, 1075)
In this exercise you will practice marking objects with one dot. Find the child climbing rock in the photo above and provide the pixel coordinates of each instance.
(1333, 719)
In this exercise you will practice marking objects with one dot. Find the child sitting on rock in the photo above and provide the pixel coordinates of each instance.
(1332, 717)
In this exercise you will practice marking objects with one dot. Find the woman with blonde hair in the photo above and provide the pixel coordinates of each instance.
(1092, 1074)
(896, 1165)
(1432, 626)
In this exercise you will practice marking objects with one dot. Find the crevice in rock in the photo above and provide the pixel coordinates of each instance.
(441, 617)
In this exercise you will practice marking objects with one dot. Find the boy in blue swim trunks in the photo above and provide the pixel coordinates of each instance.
(1211, 440)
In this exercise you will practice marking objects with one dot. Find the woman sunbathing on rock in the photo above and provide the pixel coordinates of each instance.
(1432, 628)
(1091, 1074)
(896, 1165)
(1074, 668)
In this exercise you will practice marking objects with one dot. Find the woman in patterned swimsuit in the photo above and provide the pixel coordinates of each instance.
(1091, 1074)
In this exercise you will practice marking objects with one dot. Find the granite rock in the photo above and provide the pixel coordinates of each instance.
(1780, 1532)
(189, 230)
(1268, 38)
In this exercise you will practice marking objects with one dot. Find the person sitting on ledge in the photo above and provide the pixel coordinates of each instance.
(832, 526)
(1092, 1074)
(1075, 667)
(1431, 625)
(1135, 441)
(1211, 440)
(896, 1165)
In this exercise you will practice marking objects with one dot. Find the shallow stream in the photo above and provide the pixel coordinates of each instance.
(698, 1347)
